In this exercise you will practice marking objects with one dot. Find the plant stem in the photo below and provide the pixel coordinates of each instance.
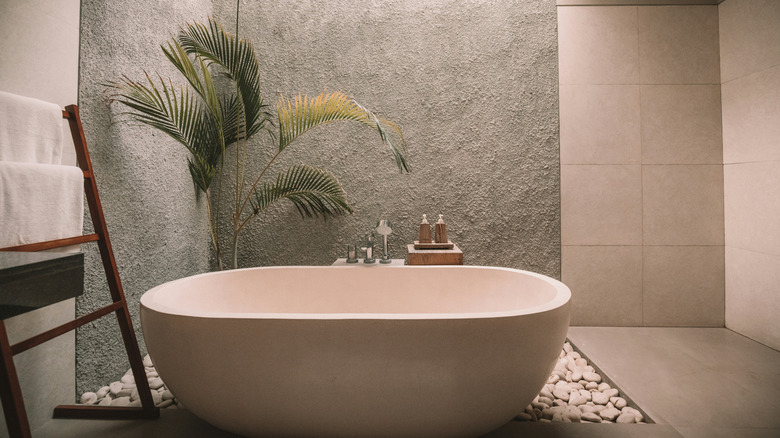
(213, 229)
(234, 252)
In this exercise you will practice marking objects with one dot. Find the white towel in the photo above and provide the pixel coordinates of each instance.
(40, 202)
(30, 130)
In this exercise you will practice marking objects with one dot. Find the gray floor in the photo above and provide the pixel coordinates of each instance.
(692, 382)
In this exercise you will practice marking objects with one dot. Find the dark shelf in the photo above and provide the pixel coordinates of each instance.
(31, 280)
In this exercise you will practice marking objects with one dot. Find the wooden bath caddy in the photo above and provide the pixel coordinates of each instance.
(434, 245)
(437, 256)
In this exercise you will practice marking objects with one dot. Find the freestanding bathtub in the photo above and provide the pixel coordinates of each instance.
(400, 351)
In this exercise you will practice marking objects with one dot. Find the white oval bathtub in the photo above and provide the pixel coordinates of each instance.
(351, 351)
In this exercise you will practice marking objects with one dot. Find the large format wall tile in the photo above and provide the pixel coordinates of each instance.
(752, 301)
(749, 37)
(683, 286)
(601, 205)
(606, 284)
(682, 204)
(598, 45)
(680, 124)
(600, 124)
(679, 45)
(752, 206)
(751, 117)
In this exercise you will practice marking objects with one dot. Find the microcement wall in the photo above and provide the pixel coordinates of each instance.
(472, 84)
(474, 87)
(157, 226)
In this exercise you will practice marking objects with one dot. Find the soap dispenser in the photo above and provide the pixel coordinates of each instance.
(425, 231)
(441, 230)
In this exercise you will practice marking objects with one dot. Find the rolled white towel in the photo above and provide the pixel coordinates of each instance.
(30, 130)
(40, 202)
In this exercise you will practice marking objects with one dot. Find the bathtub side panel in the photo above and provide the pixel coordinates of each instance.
(446, 377)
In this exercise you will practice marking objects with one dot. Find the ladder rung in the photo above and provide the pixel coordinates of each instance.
(64, 328)
(58, 243)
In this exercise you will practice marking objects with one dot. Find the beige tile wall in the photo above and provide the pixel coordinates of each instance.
(641, 165)
(750, 72)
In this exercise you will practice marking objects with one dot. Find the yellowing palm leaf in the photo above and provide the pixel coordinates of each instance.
(301, 114)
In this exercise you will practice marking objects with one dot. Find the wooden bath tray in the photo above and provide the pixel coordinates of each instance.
(433, 245)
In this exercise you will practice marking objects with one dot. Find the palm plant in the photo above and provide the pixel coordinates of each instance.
(206, 122)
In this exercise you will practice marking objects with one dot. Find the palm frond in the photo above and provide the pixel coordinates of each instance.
(178, 114)
(313, 191)
(302, 114)
(237, 57)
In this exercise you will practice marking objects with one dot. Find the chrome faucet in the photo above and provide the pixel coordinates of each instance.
(383, 228)
(369, 250)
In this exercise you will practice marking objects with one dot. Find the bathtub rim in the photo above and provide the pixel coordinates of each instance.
(561, 298)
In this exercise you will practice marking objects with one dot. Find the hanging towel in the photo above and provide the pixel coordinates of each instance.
(30, 130)
(40, 202)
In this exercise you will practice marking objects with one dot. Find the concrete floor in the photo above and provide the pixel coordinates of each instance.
(692, 382)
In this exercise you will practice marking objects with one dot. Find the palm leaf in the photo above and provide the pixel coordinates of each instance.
(313, 191)
(237, 57)
(181, 116)
(302, 114)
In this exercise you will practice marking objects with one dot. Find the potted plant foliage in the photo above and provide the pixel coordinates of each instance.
(207, 119)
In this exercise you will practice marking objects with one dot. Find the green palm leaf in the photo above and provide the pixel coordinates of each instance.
(313, 191)
(181, 116)
(298, 116)
(237, 57)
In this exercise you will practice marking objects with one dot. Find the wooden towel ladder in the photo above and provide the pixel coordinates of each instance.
(13, 404)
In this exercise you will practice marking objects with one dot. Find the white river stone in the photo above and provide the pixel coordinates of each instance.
(115, 387)
(89, 398)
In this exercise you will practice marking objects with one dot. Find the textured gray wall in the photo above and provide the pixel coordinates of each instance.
(158, 231)
(474, 86)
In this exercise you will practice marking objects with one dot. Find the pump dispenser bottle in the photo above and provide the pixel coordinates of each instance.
(441, 230)
(425, 231)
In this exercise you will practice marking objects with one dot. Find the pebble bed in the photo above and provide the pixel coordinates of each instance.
(124, 392)
(574, 393)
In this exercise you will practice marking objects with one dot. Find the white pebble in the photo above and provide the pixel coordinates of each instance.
(636, 413)
(591, 417)
(619, 402)
(626, 418)
(88, 398)
(609, 414)
(164, 404)
(542, 399)
(105, 402)
(603, 386)
(148, 361)
(155, 383)
(127, 378)
(591, 377)
(576, 399)
(561, 393)
(102, 392)
(121, 401)
(115, 387)
(600, 398)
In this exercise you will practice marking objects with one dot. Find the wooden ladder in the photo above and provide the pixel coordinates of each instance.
(10, 391)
